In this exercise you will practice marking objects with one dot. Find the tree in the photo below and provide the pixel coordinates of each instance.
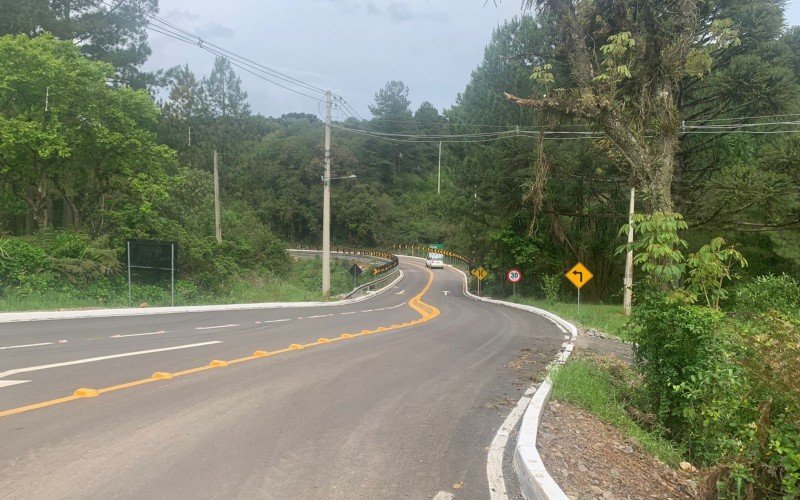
(88, 148)
(116, 35)
(621, 69)
(391, 102)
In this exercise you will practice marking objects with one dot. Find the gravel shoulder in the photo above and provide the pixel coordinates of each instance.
(591, 459)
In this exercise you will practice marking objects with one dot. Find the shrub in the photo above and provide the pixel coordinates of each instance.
(673, 341)
(769, 292)
(551, 285)
(23, 265)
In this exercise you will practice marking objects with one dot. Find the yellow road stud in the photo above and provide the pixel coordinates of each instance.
(162, 376)
(260, 354)
(323, 340)
(346, 336)
(83, 392)
(295, 346)
(218, 363)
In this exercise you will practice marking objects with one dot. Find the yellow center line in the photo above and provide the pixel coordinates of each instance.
(426, 311)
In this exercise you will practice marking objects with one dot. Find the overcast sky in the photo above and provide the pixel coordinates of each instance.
(352, 47)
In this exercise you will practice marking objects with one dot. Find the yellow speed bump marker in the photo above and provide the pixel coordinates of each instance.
(162, 376)
(346, 336)
(296, 346)
(323, 340)
(261, 354)
(218, 363)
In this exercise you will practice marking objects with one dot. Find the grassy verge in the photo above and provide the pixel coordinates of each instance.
(606, 318)
(601, 390)
(301, 282)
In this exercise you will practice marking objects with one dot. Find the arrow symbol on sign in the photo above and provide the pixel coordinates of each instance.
(580, 275)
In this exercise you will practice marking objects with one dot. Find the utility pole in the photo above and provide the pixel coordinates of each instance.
(439, 177)
(626, 303)
(326, 204)
(217, 223)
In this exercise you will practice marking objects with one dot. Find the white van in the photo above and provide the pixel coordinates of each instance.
(435, 260)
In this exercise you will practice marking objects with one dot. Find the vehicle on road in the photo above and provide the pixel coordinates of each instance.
(435, 261)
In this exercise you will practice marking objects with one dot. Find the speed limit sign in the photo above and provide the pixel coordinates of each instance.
(514, 275)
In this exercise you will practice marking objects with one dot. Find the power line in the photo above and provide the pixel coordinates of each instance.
(256, 69)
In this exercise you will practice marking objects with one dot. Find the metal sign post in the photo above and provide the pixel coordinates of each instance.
(514, 276)
(579, 275)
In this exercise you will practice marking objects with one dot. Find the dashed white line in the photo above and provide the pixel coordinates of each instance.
(277, 320)
(319, 316)
(9, 383)
(444, 495)
(214, 327)
(401, 292)
(103, 358)
(118, 336)
(349, 312)
(367, 310)
(25, 345)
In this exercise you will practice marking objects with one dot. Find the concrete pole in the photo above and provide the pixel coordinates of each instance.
(439, 176)
(217, 221)
(326, 204)
(628, 297)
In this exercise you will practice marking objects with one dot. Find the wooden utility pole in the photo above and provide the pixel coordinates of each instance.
(628, 295)
(217, 222)
(439, 176)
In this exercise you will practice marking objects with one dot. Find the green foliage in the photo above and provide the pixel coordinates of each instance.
(657, 246)
(23, 265)
(769, 293)
(604, 387)
(672, 343)
(551, 285)
(709, 267)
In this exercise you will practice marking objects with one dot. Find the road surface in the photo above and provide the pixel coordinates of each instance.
(405, 410)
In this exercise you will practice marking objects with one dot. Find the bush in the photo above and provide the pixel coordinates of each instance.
(23, 264)
(769, 292)
(551, 285)
(673, 341)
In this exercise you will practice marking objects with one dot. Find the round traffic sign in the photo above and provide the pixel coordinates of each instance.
(514, 275)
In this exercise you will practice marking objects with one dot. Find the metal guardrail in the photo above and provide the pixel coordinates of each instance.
(372, 285)
(388, 268)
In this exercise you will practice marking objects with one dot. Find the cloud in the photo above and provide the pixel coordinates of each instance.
(214, 30)
(394, 10)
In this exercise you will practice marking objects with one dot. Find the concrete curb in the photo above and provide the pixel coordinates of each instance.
(535, 482)
(15, 317)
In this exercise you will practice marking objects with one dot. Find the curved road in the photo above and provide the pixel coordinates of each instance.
(403, 411)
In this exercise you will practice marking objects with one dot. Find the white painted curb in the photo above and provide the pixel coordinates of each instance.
(534, 480)
(146, 311)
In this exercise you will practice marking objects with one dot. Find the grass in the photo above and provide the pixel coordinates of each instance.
(300, 283)
(600, 390)
(606, 318)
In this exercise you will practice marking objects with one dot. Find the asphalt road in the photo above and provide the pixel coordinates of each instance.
(405, 412)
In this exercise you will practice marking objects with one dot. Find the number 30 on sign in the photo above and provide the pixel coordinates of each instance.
(514, 275)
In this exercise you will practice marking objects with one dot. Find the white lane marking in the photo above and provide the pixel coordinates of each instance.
(445, 292)
(444, 495)
(367, 310)
(214, 327)
(63, 341)
(9, 383)
(350, 312)
(118, 336)
(25, 345)
(103, 358)
(494, 461)
(401, 292)
(277, 320)
(319, 316)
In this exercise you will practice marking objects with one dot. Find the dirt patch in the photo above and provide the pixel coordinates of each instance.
(590, 459)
